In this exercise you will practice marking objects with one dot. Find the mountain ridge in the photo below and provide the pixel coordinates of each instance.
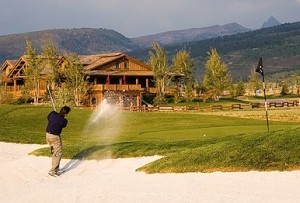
(85, 41)
(192, 34)
(278, 44)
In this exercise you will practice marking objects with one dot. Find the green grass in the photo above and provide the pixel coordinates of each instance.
(261, 151)
(188, 142)
(209, 102)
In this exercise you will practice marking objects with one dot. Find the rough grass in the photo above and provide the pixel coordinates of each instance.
(289, 114)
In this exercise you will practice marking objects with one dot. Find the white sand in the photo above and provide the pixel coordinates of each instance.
(24, 178)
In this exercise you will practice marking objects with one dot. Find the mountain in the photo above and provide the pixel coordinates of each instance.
(188, 35)
(82, 41)
(240, 49)
(279, 46)
(271, 22)
(86, 41)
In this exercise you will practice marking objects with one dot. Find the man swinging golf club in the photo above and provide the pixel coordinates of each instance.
(56, 122)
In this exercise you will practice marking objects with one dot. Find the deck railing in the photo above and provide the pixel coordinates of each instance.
(116, 87)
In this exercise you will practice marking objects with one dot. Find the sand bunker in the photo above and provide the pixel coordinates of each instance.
(24, 178)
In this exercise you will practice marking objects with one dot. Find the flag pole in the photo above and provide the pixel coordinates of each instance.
(266, 105)
(260, 70)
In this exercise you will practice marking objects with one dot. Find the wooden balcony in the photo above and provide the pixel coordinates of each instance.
(16, 94)
(15, 91)
(152, 90)
(115, 87)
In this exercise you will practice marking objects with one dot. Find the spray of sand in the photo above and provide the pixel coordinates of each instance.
(105, 123)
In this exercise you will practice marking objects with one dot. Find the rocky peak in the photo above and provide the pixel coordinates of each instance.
(271, 22)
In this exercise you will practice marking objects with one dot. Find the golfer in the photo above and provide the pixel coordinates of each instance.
(56, 122)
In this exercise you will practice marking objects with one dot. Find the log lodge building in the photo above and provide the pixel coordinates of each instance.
(126, 76)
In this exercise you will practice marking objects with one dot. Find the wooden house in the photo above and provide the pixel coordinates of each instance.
(10, 76)
(114, 76)
(119, 78)
(13, 76)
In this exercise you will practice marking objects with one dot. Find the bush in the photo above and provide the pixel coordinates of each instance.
(6, 98)
(284, 89)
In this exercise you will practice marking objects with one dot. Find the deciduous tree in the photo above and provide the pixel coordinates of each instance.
(162, 72)
(50, 54)
(255, 83)
(33, 71)
(183, 64)
(238, 89)
(217, 78)
(75, 79)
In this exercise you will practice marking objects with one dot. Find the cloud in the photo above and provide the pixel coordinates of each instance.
(134, 18)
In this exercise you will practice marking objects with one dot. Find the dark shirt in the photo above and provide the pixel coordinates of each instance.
(56, 122)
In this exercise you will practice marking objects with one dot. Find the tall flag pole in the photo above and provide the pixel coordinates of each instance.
(260, 70)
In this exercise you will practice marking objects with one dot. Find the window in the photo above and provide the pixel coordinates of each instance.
(126, 66)
(117, 65)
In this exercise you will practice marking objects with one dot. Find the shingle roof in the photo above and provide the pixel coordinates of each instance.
(93, 61)
(8, 62)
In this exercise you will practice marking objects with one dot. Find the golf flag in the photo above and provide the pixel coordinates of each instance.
(259, 68)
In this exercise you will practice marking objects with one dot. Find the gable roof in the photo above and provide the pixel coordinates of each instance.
(91, 64)
(17, 67)
(6, 67)
(90, 61)
(8, 63)
(103, 59)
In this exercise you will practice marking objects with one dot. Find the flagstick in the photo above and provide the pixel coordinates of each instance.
(266, 106)
(260, 70)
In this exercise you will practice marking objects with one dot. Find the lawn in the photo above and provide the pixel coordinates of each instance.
(187, 141)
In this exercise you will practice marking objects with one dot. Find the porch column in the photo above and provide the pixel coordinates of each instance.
(15, 88)
(136, 81)
(138, 101)
(147, 83)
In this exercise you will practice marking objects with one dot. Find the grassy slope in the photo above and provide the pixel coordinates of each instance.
(188, 141)
(261, 151)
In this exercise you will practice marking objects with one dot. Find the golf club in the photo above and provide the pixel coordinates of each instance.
(51, 98)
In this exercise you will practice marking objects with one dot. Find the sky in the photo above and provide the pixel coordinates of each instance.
(135, 18)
